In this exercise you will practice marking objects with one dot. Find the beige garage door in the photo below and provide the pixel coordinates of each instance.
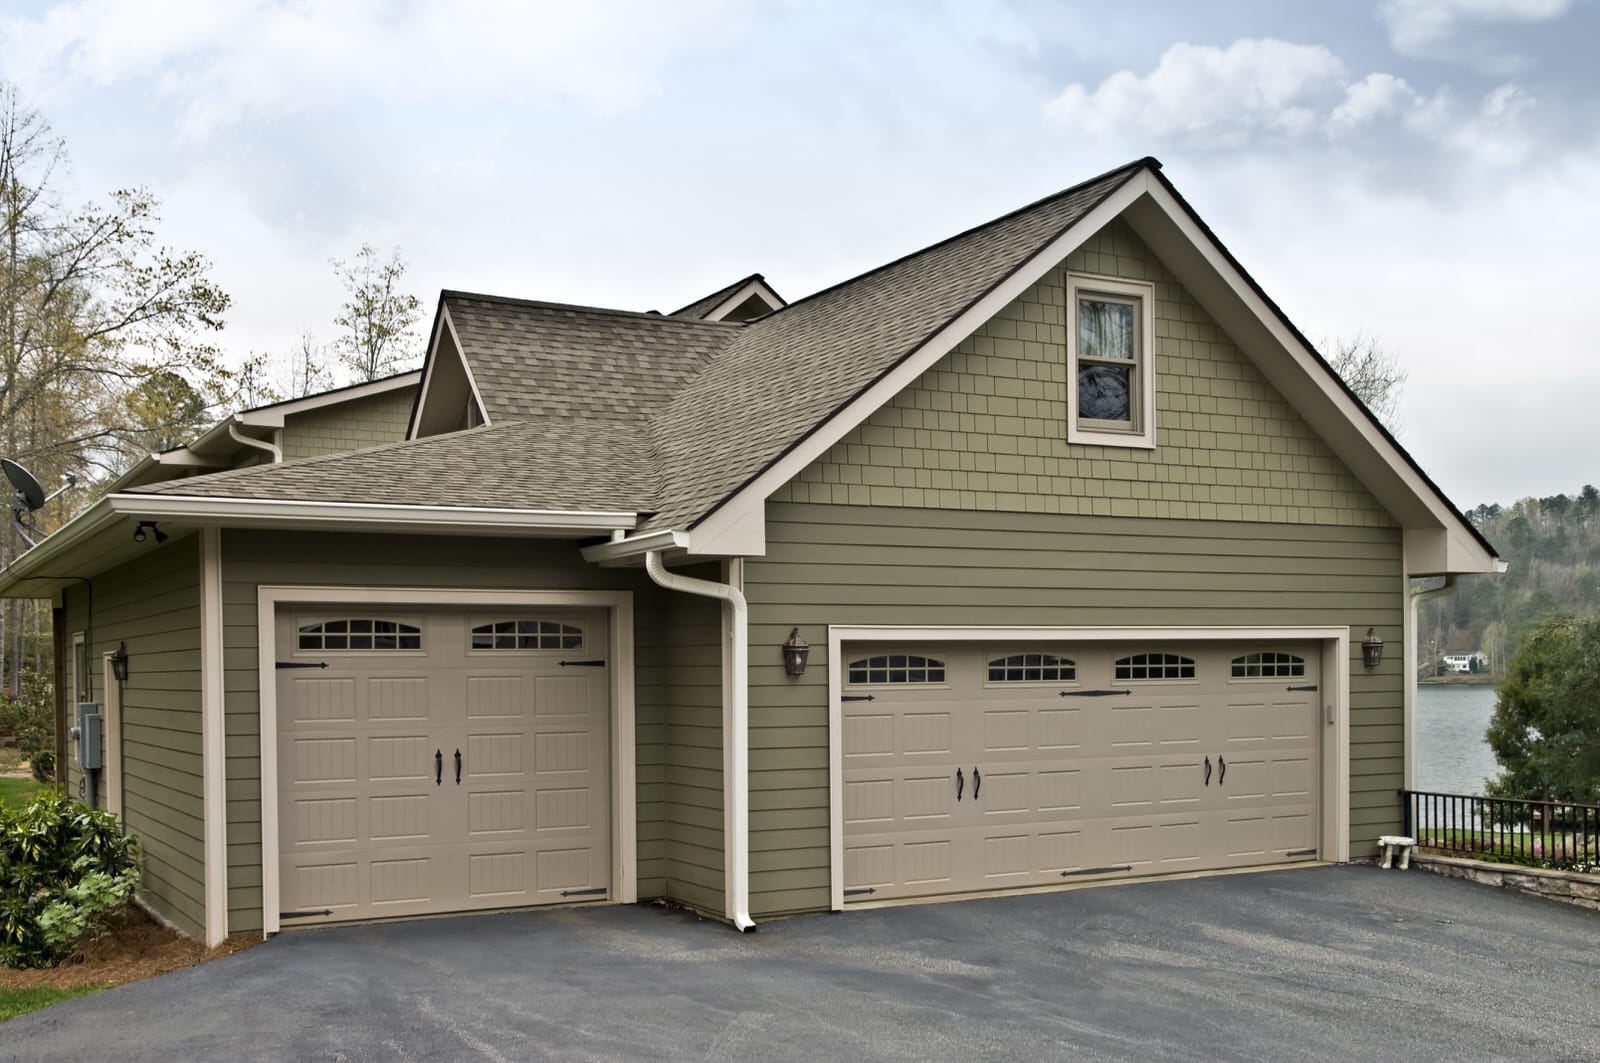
(440, 761)
(970, 767)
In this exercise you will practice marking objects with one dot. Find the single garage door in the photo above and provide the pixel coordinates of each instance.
(440, 761)
(971, 767)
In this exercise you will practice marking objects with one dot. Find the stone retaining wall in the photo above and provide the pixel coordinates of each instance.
(1573, 887)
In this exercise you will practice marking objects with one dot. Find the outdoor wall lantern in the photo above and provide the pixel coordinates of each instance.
(795, 652)
(119, 663)
(1371, 649)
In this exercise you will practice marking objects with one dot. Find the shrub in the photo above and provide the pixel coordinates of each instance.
(31, 716)
(66, 872)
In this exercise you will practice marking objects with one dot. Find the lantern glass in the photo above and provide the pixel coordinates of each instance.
(795, 652)
(119, 663)
(1371, 649)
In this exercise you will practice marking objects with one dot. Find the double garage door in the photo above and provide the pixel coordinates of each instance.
(970, 767)
(440, 761)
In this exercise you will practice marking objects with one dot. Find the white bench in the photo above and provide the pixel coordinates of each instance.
(1393, 843)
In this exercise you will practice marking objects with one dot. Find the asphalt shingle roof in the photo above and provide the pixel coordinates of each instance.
(611, 410)
(701, 307)
(518, 465)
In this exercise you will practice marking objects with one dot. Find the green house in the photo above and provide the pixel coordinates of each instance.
(1081, 537)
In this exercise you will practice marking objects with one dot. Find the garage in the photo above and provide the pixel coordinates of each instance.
(440, 759)
(984, 765)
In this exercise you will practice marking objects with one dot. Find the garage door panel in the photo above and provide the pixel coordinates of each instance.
(375, 820)
(1103, 776)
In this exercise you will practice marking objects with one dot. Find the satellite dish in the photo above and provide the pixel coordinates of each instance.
(29, 493)
(29, 497)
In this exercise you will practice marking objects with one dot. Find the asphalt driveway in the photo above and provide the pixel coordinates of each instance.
(1316, 963)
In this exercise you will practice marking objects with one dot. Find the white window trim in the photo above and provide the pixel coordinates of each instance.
(1143, 434)
(624, 790)
(1334, 664)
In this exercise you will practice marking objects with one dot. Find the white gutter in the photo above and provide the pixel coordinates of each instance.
(738, 787)
(245, 512)
(635, 545)
(259, 444)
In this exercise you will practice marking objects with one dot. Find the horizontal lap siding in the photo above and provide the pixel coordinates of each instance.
(830, 564)
(693, 748)
(153, 605)
(250, 559)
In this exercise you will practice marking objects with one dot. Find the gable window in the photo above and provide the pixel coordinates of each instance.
(1155, 666)
(1032, 668)
(363, 633)
(1111, 379)
(1268, 665)
(526, 635)
(895, 669)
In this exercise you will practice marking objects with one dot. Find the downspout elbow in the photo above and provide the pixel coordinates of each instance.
(249, 441)
(738, 725)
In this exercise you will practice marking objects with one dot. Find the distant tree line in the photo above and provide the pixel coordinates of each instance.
(1552, 545)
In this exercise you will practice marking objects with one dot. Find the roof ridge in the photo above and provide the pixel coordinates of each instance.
(1145, 161)
(545, 304)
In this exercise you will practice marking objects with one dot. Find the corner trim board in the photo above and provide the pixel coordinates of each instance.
(213, 737)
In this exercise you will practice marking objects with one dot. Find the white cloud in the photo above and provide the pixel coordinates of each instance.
(1442, 29)
(225, 61)
(1248, 88)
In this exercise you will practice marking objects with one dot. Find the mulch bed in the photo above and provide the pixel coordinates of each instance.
(136, 949)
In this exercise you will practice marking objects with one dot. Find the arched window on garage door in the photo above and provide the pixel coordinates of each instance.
(526, 635)
(1032, 668)
(1154, 666)
(896, 668)
(364, 634)
(1268, 664)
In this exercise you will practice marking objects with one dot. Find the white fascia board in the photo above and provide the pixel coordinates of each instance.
(429, 362)
(636, 546)
(749, 502)
(465, 520)
(754, 286)
(272, 416)
(38, 559)
(461, 355)
(1470, 555)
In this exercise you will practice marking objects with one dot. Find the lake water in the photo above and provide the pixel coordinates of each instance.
(1452, 756)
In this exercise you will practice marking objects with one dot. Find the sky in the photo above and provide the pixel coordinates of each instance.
(1424, 173)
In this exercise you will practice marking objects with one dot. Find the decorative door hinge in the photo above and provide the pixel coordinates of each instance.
(595, 891)
(582, 664)
(302, 664)
(860, 891)
(1094, 693)
(1097, 870)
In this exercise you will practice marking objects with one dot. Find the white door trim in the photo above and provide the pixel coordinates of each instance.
(1335, 642)
(111, 739)
(619, 606)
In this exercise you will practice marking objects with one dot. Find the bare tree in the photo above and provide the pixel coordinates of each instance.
(309, 372)
(376, 337)
(93, 312)
(1374, 374)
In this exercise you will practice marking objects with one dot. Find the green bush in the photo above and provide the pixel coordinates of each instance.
(66, 871)
(1547, 715)
(31, 716)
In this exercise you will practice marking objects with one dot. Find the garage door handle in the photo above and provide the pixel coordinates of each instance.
(961, 783)
(1208, 771)
(458, 767)
(1223, 774)
(438, 767)
(977, 782)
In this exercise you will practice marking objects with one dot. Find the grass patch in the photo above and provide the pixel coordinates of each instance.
(18, 791)
(14, 1002)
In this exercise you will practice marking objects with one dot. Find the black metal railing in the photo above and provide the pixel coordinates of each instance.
(1547, 833)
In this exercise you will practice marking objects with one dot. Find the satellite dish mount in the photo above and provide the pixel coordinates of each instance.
(29, 497)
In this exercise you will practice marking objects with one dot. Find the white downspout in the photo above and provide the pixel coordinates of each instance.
(739, 723)
(259, 444)
(1413, 637)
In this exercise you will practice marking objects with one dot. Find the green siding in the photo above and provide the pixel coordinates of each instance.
(829, 564)
(985, 429)
(693, 748)
(153, 604)
(672, 758)
(349, 425)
